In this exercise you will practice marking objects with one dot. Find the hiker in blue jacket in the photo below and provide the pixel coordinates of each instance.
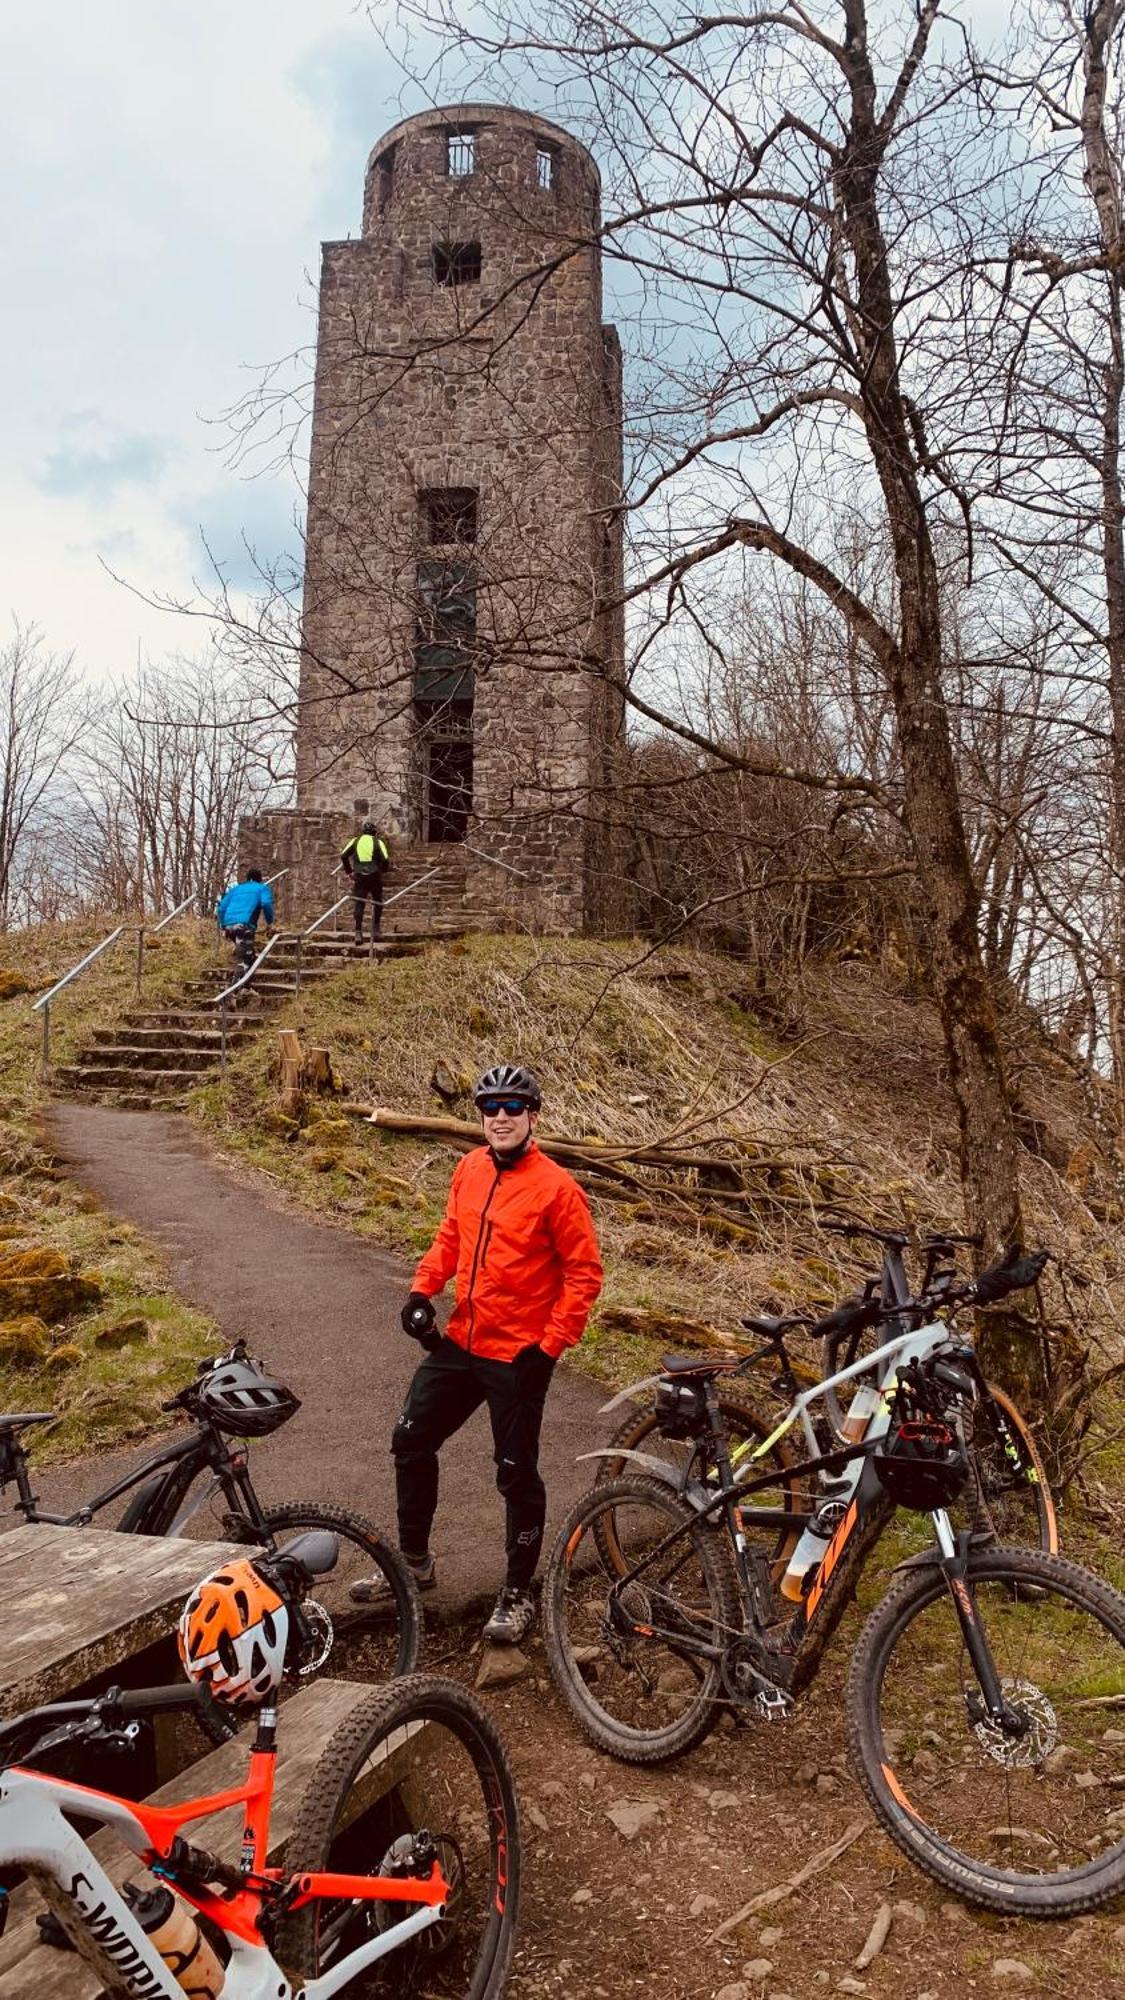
(240, 907)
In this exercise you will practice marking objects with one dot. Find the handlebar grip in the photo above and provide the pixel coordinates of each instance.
(153, 1701)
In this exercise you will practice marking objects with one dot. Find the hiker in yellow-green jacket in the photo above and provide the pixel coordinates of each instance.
(366, 859)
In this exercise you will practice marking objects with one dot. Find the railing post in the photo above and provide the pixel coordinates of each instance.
(47, 1036)
(223, 1038)
(297, 974)
(140, 957)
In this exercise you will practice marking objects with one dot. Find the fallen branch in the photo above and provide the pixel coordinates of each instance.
(766, 1898)
(594, 1151)
(876, 1938)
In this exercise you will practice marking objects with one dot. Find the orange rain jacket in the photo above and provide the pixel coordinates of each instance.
(522, 1244)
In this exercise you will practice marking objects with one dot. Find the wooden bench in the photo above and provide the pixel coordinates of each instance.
(30, 1970)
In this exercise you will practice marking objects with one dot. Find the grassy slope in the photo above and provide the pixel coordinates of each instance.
(854, 1099)
(102, 1394)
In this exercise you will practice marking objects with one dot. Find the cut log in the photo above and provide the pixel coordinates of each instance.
(292, 1060)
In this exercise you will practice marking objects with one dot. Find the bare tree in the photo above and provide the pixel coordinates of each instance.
(799, 194)
(44, 715)
(179, 756)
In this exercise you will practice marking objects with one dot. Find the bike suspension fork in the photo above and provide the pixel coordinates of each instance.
(954, 1568)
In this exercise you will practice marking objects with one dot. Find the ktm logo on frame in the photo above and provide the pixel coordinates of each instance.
(832, 1556)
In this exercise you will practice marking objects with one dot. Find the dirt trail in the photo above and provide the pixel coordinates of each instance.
(321, 1308)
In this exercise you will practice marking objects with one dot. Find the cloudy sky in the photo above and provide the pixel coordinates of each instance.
(168, 175)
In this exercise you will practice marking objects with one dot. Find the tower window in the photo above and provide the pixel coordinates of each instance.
(545, 167)
(457, 263)
(384, 178)
(448, 514)
(460, 150)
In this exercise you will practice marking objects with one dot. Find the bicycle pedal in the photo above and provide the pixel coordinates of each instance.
(773, 1704)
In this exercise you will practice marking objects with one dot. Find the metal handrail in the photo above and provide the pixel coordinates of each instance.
(173, 914)
(323, 918)
(221, 999)
(45, 1001)
(338, 905)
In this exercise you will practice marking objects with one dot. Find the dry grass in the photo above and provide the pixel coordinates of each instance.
(101, 1393)
(855, 1106)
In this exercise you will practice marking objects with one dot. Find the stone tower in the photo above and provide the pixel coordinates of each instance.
(460, 677)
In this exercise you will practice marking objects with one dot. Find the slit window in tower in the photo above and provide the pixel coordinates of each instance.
(460, 151)
(385, 173)
(448, 514)
(457, 263)
(545, 167)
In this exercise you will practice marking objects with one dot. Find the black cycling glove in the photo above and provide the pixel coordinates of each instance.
(419, 1320)
(1016, 1269)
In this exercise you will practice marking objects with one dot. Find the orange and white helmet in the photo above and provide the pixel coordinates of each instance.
(233, 1634)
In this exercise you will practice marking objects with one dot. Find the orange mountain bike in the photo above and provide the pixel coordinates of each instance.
(401, 1874)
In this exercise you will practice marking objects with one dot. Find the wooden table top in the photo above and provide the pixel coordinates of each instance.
(76, 1602)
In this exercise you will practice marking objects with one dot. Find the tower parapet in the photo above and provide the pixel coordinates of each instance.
(460, 672)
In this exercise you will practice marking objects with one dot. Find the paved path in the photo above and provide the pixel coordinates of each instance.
(321, 1308)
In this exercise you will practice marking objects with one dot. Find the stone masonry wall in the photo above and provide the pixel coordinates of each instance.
(508, 385)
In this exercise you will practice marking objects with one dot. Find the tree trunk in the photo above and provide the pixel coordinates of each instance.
(932, 805)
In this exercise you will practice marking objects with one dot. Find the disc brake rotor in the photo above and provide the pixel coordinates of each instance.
(1020, 1753)
(321, 1636)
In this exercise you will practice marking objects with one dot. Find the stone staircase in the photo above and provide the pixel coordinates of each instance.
(153, 1056)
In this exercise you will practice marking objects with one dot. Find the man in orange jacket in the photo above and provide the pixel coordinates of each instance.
(517, 1235)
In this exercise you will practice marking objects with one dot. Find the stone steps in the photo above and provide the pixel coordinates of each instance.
(165, 1035)
(154, 1056)
(122, 1076)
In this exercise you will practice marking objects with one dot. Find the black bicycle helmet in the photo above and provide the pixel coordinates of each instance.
(922, 1464)
(242, 1399)
(509, 1080)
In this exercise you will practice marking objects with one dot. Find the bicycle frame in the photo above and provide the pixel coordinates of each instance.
(203, 1445)
(36, 1835)
(790, 1658)
(904, 1347)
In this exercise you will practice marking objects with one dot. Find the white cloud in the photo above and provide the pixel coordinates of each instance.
(166, 177)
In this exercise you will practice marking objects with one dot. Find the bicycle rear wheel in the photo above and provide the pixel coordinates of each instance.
(640, 1431)
(419, 1757)
(1033, 1821)
(623, 1643)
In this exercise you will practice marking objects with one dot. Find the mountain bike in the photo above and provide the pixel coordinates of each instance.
(1008, 1495)
(1003, 1665)
(200, 1483)
(401, 1873)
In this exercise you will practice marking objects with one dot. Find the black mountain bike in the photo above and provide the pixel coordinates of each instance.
(199, 1483)
(984, 1681)
(1008, 1495)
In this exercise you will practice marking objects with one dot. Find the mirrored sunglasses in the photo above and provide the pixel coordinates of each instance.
(490, 1107)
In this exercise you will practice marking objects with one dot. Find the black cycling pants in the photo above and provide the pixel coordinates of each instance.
(362, 887)
(448, 1386)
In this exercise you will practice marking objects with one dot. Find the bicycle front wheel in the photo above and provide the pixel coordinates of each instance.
(635, 1637)
(1029, 1820)
(417, 1768)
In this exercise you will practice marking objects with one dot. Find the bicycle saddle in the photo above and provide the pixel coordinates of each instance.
(21, 1420)
(313, 1554)
(769, 1328)
(691, 1364)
